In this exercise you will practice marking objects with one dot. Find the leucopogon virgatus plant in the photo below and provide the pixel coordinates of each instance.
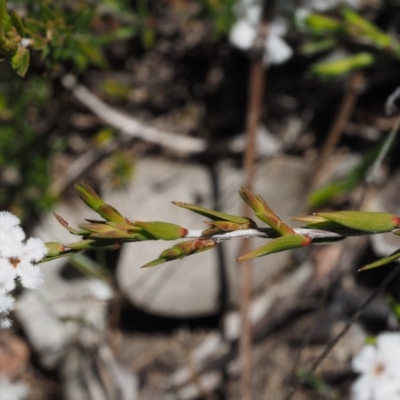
(19, 258)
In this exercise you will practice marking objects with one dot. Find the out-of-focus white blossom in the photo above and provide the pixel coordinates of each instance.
(12, 390)
(244, 33)
(379, 366)
(18, 260)
(277, 51)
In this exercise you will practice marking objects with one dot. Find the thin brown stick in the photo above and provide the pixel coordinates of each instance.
(256, 89)
(346, 109)
(354, 86)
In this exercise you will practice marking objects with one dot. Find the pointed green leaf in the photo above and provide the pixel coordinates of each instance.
(264, 212)
(282, 243)
(308, 219)
(93, 244)
(232, 226)
(374, 222)
(163, 230)
(383, 261)
(358, 25)
(214, 215)
(93, 200)
(65, 224)
(89, 196)
(317, 222)
(104, 231)
(20, 61)
(109, 213)
(322, 24)
(343, 65)
(182, 250)
(17, 23)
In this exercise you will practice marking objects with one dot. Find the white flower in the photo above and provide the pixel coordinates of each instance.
(11, 234)
(12, 390)
(379, 366)
(23, 263)
(18, 259)
(6, 305)
(244, 32)
(277, 51)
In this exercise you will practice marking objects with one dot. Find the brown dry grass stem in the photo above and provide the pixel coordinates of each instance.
(354, 86)
(256, 89)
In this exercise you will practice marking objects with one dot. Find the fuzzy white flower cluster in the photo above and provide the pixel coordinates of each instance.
(244, 33)
(18, 260)
(379, 366)
(276, 50)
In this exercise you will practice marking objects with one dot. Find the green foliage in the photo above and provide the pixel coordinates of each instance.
(182, 250)
(77, 33)
(73, 32)
(321, 196)
(264, 212)
(214, 215)
(343, 65)
(282, 243)
(221, 13)
(383, 261)
(330, 33)
(25, 144)
(373, 222)
(12, 33)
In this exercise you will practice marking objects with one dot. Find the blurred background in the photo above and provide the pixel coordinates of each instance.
(147, 102)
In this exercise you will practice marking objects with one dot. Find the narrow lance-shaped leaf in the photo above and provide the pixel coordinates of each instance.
(65, 224)
(17, 23)
(102, 230)
(309, 219)
(383, 261)
(93, 200)
(181, 250)
(231, 226)
(93, 244)
(373, 222)
(321, 23)
(360, 26)
(20, 61)
(163, 230)
(264, 212)
(282, 243)
(317, 222)
(343, 65)
(214, 215)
